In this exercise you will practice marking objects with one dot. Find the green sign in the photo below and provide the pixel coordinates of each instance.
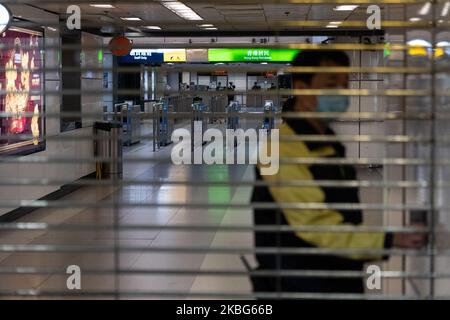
(252, 55)
(100, 55)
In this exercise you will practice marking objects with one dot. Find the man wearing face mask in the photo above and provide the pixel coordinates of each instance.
(312, 192)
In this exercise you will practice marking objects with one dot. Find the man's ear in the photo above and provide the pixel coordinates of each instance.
(304, 103)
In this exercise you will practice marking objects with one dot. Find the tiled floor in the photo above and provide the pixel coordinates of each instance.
(139, 252)
(148, 259)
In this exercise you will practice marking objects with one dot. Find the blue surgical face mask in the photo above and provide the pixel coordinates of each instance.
(332, 104)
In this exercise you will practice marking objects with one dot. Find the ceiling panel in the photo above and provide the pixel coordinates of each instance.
(234, 16)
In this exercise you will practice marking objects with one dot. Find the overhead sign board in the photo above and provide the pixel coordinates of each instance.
(174, 55)
(143, 56)
(152, 56)
(197, 55)
(252, 55)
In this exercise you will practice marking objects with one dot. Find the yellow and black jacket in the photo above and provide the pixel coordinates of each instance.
(308, 217)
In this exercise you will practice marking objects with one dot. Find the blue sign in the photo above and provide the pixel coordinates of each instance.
(143, 56)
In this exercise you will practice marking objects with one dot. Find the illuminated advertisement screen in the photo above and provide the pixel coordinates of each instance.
(21, 100)
(252, 55)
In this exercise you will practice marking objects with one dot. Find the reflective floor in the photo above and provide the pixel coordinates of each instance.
(145, 263)
(138, 260)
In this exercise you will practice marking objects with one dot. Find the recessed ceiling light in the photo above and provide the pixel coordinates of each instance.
(414, 19)
(153, 27)
(333, 24)
(104, 6)
(206, 25)
(5, 17)
(131, 18)
(210, 29)
(345, 8)
(182, 10)
(418, 43)
(445, 9)
(425, 9)
(134, 29)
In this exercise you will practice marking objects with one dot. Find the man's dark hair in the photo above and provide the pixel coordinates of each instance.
(314, 58)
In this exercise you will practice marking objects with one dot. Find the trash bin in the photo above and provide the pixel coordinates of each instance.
(108, 145)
